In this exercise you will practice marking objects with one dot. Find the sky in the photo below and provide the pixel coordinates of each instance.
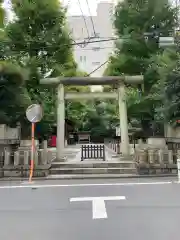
(74, 8)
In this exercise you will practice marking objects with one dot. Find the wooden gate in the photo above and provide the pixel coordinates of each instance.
(93, 152)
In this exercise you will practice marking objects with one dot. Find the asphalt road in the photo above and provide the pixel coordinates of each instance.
(131, 210)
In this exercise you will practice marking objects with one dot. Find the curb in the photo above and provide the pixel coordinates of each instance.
(111, 177)
(69, 177)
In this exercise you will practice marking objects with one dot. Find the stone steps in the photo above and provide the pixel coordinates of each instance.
(92, 171)
(94, 164)
(94, 168)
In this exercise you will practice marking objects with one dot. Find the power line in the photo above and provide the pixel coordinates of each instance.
(91, 17)
(94, 41)
(72, 44)
(98, 68)
(84, 19)
(95, 49)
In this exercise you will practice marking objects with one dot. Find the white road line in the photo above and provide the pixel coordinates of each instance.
(84, 185)
(98, 204)
(99, 209)
(85, 199)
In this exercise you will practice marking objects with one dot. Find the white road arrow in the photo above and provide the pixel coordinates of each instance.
(98, 204)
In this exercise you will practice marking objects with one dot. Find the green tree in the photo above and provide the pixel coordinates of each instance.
(170, 73)
(39, 40)
(13, 96)
(133, 19)
(1, 14)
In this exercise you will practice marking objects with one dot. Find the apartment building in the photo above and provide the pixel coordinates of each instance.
(92, 56)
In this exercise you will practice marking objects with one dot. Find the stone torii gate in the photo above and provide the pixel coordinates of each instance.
(118, 81)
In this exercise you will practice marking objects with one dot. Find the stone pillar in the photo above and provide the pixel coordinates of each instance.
(170, 156)
(60, 121)
(7, 158)
(151, 156)
(161, 157)
(26, 158)
(17, 158)
(43, 157)
(123, 120)
(44, 153)
(36, 158)
(45, 145)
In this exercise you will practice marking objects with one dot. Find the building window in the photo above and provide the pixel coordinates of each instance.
(96, 49)
(82, 58)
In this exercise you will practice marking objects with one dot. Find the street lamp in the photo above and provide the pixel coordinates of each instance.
(163, 41)
(166, 41)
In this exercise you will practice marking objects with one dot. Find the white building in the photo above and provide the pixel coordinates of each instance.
(91, 56)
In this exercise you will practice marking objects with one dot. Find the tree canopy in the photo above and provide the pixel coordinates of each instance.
(38, 40)
(140, 24)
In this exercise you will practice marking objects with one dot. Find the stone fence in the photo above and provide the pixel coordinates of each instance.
(113, 144)
(17, 164)
(156, 160)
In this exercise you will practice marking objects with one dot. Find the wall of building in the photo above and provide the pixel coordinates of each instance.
(91, 56)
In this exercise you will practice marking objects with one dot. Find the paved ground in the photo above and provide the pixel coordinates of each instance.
(133, 209)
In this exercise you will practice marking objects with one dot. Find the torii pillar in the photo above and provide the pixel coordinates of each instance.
(60, 143)
(118, 81)
(123, 120)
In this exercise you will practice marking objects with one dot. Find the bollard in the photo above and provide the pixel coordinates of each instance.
(178, 167)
